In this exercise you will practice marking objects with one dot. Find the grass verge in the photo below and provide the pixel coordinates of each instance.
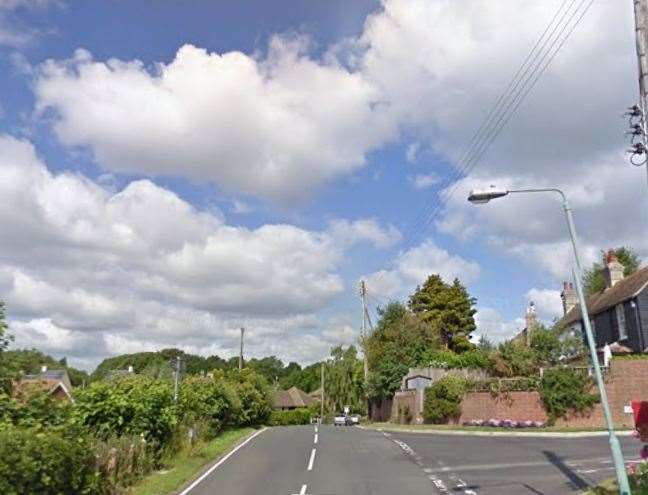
(188, 464)
(558, 429)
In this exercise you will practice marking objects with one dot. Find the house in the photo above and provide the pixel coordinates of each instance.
(316, 395)
(56, 382)
(114, 374)
(293, 398)
(618, 314)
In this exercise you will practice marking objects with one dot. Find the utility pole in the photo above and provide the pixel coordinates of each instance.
(363, 334)
(641, 37)
(178, 363)
(241, 354)
(322, 397)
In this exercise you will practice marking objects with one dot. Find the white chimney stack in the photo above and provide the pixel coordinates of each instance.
(613, 269)
(569, 297)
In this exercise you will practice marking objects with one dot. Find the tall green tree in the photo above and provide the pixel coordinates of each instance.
(450, 307)
(401, 340)
(344, 380)
(594, 278)
(5, 340)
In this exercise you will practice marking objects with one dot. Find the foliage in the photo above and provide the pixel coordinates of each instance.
(29, 361)
(443, 399)
(5, 340)
(485, 344)
(564, 391)
(122, 461)
(294, 417)
(450, 307)
(401, 340)
(306, 379)
(594, 278)
(130, 405)
(207, 399)
(474, 358)
(514, 359)
(497, 386)
(546, 344)
(45, 462)
(344, 380)
(254, 395)
(33, 407)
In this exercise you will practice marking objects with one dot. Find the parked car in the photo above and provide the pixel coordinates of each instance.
(355, 419)
(341, 419)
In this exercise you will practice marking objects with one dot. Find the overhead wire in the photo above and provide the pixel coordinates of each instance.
(506, 105)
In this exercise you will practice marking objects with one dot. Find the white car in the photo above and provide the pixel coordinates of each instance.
(341, 420)
(355, 419)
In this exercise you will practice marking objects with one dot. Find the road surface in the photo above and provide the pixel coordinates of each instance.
(305, 460)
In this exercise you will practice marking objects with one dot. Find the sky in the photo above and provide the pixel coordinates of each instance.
(172, 171)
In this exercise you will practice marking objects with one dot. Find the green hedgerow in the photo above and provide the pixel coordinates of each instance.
(564, 391)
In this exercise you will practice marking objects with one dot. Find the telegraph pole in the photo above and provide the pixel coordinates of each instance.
(178, 363)
(363, 335)
(641, 37)
(241, 353)
(322, 397)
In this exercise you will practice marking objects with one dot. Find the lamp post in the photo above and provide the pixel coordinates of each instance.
(486, 195)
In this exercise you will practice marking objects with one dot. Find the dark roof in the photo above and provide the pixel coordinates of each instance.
(292, 397)
(623, 290)
(52, 376)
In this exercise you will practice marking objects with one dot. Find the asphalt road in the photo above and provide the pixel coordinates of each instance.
(349, 461)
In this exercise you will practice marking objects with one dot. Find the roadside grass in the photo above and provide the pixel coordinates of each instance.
(188, 464)
(557, 429)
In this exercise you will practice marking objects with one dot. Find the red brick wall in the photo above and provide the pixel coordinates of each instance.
(626, 380)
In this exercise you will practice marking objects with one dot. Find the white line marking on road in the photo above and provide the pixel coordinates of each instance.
(303, 490)
(315, 428)
(311, 460)
(215, 466)
(315, 441)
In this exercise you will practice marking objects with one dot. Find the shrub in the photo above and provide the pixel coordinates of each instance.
(131, 405)
(474, 358)
(45, 462)
(213, 401)
(33, 407)
(514, 359)
(294, 417)
(120, 462)
(254, 393)
(564, 391)
(443, 399)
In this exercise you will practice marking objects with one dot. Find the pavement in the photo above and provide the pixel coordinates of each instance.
(328, 460)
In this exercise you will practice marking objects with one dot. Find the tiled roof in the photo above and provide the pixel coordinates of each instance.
(625, 289)
(292, 397)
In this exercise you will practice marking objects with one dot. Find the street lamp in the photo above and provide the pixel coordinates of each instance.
(486, 195)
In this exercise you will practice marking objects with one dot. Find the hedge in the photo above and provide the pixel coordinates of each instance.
(443, 399)
(294, 417)
(45, 462)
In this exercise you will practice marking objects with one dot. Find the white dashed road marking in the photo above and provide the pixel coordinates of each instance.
(311, 460)
(315, 440)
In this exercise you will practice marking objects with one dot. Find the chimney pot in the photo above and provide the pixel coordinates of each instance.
(569, 297)
(613, 269)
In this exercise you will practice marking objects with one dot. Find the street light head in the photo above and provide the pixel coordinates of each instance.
(481, 196)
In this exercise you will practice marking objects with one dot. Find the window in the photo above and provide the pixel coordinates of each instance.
(620, 314)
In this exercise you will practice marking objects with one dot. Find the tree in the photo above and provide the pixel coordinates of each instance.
(485, 344)
(594, 278)
(344, 380)
(546, 344)
(5, 340)
(450, 307)
(401, 340)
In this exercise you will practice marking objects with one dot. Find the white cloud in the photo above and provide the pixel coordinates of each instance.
(423, 181)
(13, 32)
(274, 127)
(367, 229)
(412, 151)
(412, 267)
(493, 325)
(547, 302)
(98, 271)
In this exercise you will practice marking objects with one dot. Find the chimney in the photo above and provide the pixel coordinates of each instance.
(569, 297)
(613, 269)
(531, 321)
(43, 368)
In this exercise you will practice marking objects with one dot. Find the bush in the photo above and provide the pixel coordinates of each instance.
(294, 417)
(209, 400)
(564, 391)
(131, 405)
(33, 407)
(255, 396)
(443, 399)
(45, 462)
(514, 359)
(474, 358)
(120, 462)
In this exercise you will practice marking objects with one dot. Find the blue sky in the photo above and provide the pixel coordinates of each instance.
(291, 135)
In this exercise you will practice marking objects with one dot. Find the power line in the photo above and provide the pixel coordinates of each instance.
(507, 104)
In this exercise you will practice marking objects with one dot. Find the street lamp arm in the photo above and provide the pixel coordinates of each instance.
(548, 189)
